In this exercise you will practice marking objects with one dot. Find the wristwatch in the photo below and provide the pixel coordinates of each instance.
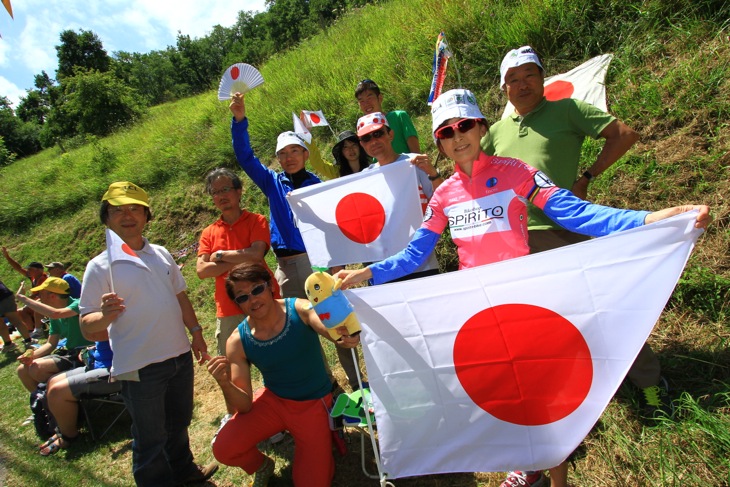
(434, 178)
(588, 176)
(219, 255)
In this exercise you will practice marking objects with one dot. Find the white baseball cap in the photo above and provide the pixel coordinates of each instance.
(459, 103)
(289, 138)
(518, 57)
(371, 122)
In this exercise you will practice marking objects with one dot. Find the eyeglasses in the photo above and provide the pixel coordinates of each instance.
(463, 126)
(372, 135)
(242, 298)
(218, 192)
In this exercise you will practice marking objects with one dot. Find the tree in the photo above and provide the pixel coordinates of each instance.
(94, 103)
(83, 50)
(20, 138)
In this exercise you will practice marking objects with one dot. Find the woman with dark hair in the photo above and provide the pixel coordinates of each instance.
(349, 157)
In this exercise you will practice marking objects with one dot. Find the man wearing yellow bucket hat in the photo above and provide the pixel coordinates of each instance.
(136, 291)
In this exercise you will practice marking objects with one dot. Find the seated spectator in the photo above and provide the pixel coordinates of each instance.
(58, 269)
(34, 272)
(65, 389)
(56, 303)
(9, 311)
(279, 337)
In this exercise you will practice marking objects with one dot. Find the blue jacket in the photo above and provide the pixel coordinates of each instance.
(284, 233)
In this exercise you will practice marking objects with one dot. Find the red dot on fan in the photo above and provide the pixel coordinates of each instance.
(360, 217)
(557, 90)
(235, 72)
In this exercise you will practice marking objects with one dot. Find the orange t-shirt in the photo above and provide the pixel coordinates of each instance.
(249, 228)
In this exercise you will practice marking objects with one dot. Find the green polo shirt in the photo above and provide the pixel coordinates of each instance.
(548, 138)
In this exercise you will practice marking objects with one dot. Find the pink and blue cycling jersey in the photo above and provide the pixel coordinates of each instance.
(487, 216)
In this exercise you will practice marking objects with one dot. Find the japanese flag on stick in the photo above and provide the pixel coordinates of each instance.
(354, 218)
(509, 365)
(300, 129)
(120, 251)
(314, 119)
(585, 83)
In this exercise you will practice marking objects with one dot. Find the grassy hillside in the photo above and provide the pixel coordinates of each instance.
(668, 80)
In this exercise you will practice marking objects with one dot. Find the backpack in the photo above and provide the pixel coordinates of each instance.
(45, 425)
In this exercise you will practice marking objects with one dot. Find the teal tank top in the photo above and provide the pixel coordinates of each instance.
(291, 363)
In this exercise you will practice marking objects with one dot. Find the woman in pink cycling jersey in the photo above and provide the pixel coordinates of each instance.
(484, 204)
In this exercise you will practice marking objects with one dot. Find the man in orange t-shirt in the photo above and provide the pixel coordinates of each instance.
(238, 236)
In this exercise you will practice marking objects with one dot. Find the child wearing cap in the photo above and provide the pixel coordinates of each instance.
(63, 311)
(484, 204)
(370, 100)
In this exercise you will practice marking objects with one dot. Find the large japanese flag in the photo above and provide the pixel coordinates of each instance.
(313, 118)
(586, 83)
(355, 218)
(508, 366)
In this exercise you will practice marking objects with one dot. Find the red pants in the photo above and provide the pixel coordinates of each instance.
(308, 423)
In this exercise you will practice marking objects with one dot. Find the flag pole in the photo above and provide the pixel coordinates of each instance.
(109, 260)
(366, 406)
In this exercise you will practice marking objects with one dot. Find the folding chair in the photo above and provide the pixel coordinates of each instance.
(91, 404)
(356, 410)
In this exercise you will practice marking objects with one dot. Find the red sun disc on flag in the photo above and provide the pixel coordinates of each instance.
(557, 90)
(360, 217)
(523, 364)
(235, 72)
(128, 250)
(315, 118)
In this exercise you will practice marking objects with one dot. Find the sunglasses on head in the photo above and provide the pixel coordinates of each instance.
(463, 126)
(242, 298)
(372, 135)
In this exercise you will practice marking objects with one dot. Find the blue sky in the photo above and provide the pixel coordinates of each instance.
(28, 41)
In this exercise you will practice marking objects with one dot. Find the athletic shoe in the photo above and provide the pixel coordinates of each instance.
(9, 348)
(524, 479)
(263, 474)
(655, 400)
(38, 334)
(224, 420)
(30, 343)
(201, 474)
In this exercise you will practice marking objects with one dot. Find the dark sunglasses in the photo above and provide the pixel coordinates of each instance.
(242, 298)
(463, 126)
(372, 135)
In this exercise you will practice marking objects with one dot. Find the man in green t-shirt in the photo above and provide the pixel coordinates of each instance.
(549, 135)
(39, 365)
(370, 100)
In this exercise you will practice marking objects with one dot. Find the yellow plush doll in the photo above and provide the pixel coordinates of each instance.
(330, 304)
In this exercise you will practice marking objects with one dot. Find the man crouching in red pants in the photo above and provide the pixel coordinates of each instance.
(281, 338)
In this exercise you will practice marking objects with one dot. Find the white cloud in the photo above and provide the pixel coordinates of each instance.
(122, 25)
(9, 89)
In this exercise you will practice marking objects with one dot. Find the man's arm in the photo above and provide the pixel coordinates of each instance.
(413, 144)
(44, 309)
(619, 139)
(14, 263)
(199, 347)
(42, 351)
(233, 375)
(310, 318)
(224, 260)
(96, 321)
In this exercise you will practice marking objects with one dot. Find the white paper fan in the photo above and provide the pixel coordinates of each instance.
(239, 78)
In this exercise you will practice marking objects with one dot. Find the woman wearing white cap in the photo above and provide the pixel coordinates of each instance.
(484, 204)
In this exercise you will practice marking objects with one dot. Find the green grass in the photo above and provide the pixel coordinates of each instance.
(668, 80)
